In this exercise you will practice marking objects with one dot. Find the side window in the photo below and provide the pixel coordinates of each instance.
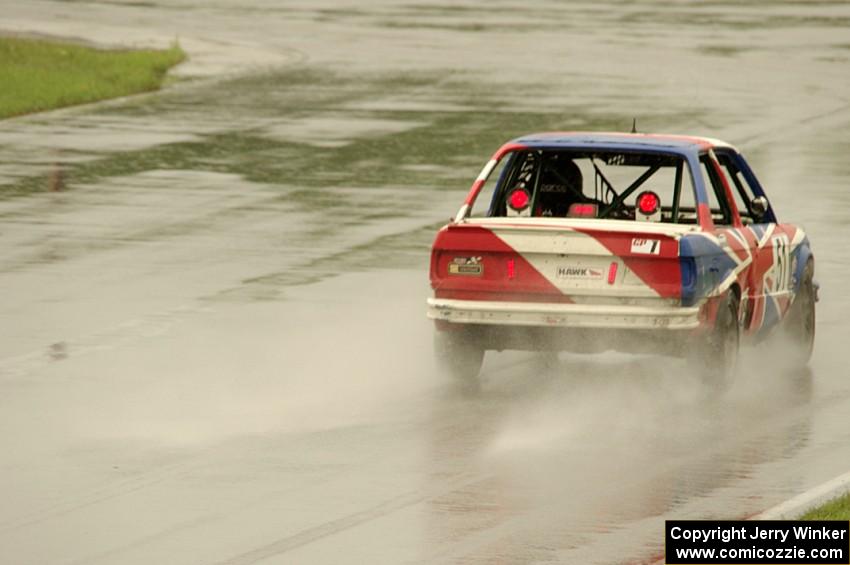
(484, 203)
(738, 183)
(716, 195)
(523, 171)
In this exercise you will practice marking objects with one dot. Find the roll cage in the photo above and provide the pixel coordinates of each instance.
(729, 178)
(526, 168)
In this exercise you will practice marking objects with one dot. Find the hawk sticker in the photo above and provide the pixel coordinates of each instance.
(584, 273)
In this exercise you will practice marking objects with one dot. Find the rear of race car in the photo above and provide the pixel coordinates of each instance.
(587, 242)
(563, 284)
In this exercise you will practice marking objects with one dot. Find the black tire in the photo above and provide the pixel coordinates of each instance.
(460, 355)
(799, 324)
(718, 351)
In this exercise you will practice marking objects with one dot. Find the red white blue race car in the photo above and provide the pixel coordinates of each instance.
(589, 242)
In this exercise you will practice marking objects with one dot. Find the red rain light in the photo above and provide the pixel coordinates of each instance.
(519, 199)
(511, 268)
(612, 272)
(648, 203)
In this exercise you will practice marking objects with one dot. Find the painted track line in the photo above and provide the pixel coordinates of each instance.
(795, 507)
(812, 498)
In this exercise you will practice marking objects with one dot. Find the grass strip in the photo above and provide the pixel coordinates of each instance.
(38, 75)
(837, 509)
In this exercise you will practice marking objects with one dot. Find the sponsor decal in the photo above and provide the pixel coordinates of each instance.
(576, 272)
(646, 246)
(466, 266)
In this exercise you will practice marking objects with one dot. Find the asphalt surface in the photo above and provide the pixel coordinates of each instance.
(213, 346)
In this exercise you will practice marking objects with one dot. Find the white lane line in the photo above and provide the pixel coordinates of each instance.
(812, 498)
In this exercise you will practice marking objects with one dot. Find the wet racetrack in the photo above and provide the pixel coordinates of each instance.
(214, 347)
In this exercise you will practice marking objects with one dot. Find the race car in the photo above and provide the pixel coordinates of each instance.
(589, 242)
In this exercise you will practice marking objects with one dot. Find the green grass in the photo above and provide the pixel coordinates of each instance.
(838, 509)
(41, 75)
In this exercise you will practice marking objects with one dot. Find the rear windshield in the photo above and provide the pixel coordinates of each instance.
(561, 183)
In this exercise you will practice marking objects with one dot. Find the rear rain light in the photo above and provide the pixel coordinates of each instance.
(648, 202)
(612, 272)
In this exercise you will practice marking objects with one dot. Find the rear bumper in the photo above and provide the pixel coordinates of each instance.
(563, 315)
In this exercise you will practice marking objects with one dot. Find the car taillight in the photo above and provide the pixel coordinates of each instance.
(689, 280)
(511, 268)
(688, 268)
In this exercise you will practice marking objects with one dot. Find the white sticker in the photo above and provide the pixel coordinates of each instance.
(646, 246)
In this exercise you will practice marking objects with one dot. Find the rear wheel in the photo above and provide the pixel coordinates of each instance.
(799, 324)
(460, 355)
(718, 352)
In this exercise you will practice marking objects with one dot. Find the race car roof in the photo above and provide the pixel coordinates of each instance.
(619, 141)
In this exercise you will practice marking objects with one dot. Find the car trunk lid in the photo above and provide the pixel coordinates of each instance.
(559, 260)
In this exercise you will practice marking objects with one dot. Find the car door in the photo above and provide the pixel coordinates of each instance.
(738, 244)
(770, 278)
